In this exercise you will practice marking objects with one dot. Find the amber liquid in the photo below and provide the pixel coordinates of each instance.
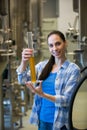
(32, 69)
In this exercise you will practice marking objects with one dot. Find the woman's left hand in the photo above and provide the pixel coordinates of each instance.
(37, 89)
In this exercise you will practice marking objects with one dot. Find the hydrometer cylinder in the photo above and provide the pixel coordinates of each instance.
(32, 69)
(31, 59)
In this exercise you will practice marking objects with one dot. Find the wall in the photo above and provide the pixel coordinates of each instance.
(50, 8)
(66, 14)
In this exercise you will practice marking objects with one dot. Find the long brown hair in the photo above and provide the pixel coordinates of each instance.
(47, 69)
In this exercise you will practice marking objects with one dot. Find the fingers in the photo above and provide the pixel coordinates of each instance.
(38, 83)
(35, 88)
(30, 86)
(26, 53)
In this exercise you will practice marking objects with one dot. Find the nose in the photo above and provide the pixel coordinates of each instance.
(54, 47)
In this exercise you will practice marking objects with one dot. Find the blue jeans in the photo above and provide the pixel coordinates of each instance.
(63, 128)
(47, 126)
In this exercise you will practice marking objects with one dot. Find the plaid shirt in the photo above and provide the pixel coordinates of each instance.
(66, 80)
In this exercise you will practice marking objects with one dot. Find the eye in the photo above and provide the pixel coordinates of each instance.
(58, 43)
(50, 45)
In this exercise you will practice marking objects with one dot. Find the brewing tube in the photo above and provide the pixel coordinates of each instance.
(31, 59)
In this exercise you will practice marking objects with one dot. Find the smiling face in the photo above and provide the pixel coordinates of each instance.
(57, 46)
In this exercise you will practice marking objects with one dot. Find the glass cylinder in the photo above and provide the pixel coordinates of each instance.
(31, 59)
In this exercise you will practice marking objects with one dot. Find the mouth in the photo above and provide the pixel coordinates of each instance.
(56, 53)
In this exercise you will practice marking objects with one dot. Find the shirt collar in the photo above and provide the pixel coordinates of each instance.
(65, 64)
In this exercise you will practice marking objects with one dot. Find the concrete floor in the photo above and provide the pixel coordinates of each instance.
(26, 125)
(79, 112)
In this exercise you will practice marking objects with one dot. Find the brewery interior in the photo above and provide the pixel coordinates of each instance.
(17, 18)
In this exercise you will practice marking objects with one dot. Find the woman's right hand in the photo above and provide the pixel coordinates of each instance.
(26, 53)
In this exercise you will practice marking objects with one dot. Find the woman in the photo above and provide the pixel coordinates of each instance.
(58, 78)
